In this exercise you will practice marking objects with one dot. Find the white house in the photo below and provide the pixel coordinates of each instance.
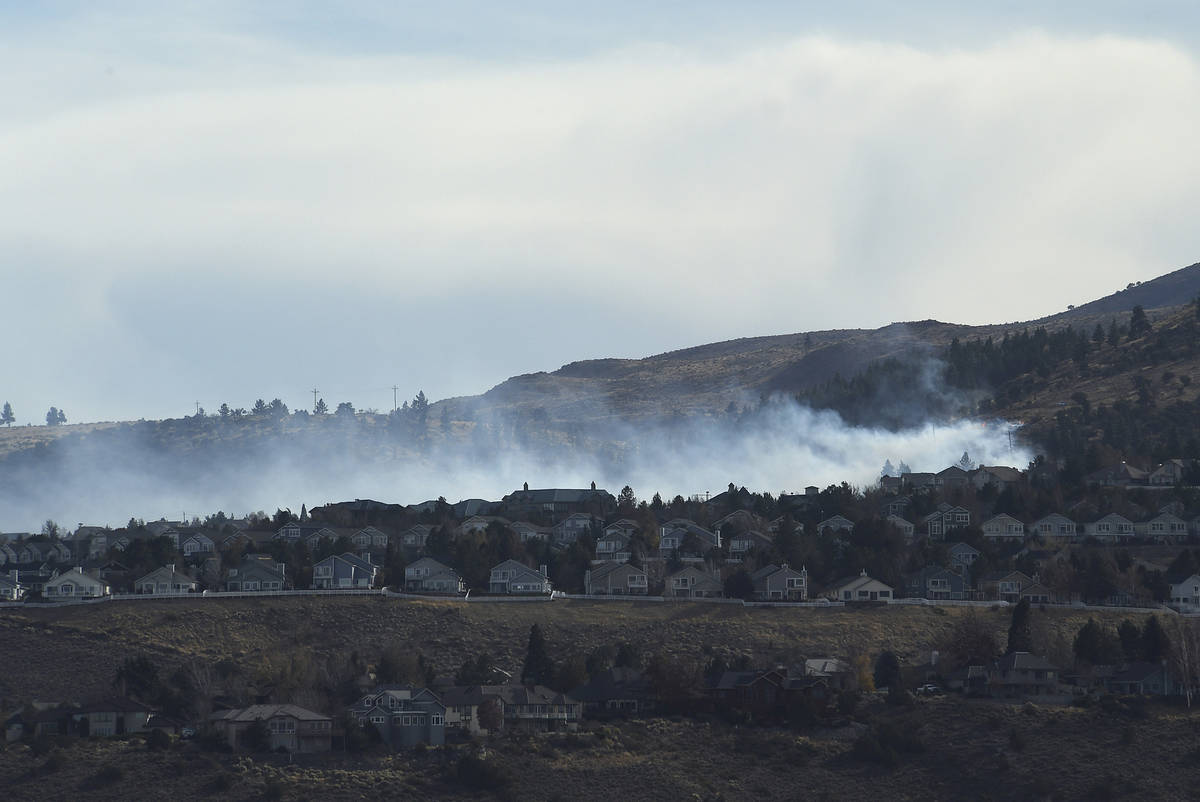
(1054, 527)
(1003, 527)
(1186, 594)
(860, 588)
(1163, 526)
(74, 584)
(165, 581)
(1111, 527)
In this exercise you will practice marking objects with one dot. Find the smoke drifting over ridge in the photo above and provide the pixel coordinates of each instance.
(128, 472)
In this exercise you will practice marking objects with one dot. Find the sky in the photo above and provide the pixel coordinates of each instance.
(219, 202)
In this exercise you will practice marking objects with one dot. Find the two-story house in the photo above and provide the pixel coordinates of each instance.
(288, 727)
(427, 575)
(513, 578)
(344, 571)
(165, 581)
(615, 579)
(780, 583)
(1004, 527)
(403, 715)
(694, 583)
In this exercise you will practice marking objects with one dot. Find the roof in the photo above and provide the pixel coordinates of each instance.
(1024, 661)
(254, 712)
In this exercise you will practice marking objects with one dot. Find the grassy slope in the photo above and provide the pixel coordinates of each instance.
(72, 652)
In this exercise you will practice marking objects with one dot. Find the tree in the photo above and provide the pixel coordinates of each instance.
(1155, 643)
(345, 410)
(55, 416)
(626, 501)
(6, 415)
(1096, 645)
(1131, 640)
(1020, 631)
(1139, 324)
(739, 585)
(491, 714)
(224, 411)
(887, 670)
(260, 407)
(538, 668)
(320, 408)
(50, 529)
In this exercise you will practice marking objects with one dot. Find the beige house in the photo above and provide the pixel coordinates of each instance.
(287, 726)
(860, 588)
(75, 584)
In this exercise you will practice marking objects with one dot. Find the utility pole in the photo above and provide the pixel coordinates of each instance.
(197, 407)
(314, 392)
(395, 389)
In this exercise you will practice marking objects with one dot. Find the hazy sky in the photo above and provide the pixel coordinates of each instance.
(220, 204)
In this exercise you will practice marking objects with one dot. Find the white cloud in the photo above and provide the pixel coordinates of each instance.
(809, 183)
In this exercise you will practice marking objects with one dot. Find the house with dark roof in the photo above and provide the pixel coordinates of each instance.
(780, 583)
(1054, 527)
(834, 525)
(288, 727)
(692, 582)
(1001, 477)
(256, 573)
(165, 581)
(1111, 528)
(859, 588)
(427, 575)
(568, 530)
(403, 715)
(1164, 528)
(513, 578)
(944, 520)
(615, 579)
(935, 583)
(344, 571)
(1021, 674)
(1120, 475)
(556, 502)
(615, 692)
(1003, 527)
(113, 715)
(686, 538)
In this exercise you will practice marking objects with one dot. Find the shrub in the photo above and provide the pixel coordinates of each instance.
(54, 762)
(158, 740)
(475, 772)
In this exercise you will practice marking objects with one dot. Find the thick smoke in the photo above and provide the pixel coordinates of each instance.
(782, 446)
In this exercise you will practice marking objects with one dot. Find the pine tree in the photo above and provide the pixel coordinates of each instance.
(1020, 631)
(321, 408)
(538, 668)
(1156, 645)
(6, 415)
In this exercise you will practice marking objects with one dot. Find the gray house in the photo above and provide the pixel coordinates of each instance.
(343, 571)
(427, 575)
(934, 582)
(693, 583)
(780, 583)
(513, 578)
(615, 579)
(404, 716)
(257, 573)
(165, 581)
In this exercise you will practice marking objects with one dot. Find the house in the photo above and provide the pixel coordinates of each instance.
(780, 583)
(288, 727)
(616, 691)
(427, 575)
(370, 539)
(344, 571)
(463, 705)
(945, 520)
(7, 554)
(1112, 528)
(527, 531)
(74, 584)
(1171, 472)
(536, 707)
(1054, 526)
(615, 579)
(198, 543)
(897, 506)
(694, 583)
(256, 573)
(902, 525)
(962, 556)
(952, 478)
(1122, 475)
(10, 586)
(569, 529)
(1185, 594)
(1163, 527)
(685, 537)
(1037, 593)
(165, 581)
(403, 715)
(744, 542)
(1143, 679)
(623, 526)
(613, 546)
(479, 523)
(115, 715)
(835, 525)
(859, 588)
(838, 674)
(1001, 477)
(1004, 527)
(415, 537)
(1005, 586)
(935, 583)
(919, 481)
(1021, 674)
(764, 692)
(511, 577)
(526, 503)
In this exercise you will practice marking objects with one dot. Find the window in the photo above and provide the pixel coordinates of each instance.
(437, 720)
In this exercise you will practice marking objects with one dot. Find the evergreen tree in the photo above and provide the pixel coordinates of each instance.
(6, 415)
(1139, 324)
(887, 670)
(538, 668)
(1020, 631)
(321, 408)
(1131, 640)
(1156, 645)
(55, 416)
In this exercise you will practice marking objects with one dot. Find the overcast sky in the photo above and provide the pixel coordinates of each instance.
(216, 204)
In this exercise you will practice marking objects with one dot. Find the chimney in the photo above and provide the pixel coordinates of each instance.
(593, 485)
(542, 569)
(526, 486)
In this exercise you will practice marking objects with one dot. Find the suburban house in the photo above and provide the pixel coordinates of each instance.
(952, 478)
(198, 543)
(686, 537)
(480, 523)
(370, 539)
(1186, 594)
(165, 581)
(415, 537)
(513, 578)
(693, 583)
(902, 525)
(344, 571)
(10, 586)
(999, 476)
(289, 727)
(859, 588)
(615, 579)
(115, 715)
(962, 556)
(837, 674)
(1004, 586)
(256, 573)
(624, 526)
(536, 707)
(403, 715)
(569, 529)
(1021, 674)
(835, 524)
(744, 542)
(463, 704)
(1122, 475)
(616, 691)
(1054, 526)
(527, 531)
(1171, 472)
(613, 546)
(945, 520)
(780, 583)
(526, 503)
(762, 691)
(1004, 527)
(1143, 679)
(897, 506)
(74, 584)
(1111, 527)
(936, 583)
(1163, 527)
(427, 575)
(309, 533)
